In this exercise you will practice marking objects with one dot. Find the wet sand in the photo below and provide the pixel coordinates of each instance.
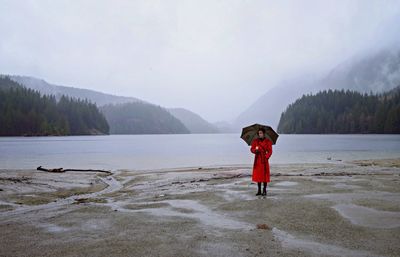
(343, 209)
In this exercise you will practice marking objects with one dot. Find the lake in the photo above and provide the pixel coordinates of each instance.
(190, 150)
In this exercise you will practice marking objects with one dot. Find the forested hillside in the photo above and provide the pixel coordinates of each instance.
(343, 112)
(93, 96)
(26, 112)
(377, 71)
(192, 121)
(141, 118)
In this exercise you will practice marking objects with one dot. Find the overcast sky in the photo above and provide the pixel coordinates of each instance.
(212, 57)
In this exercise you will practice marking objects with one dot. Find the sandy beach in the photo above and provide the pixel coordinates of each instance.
(343, 209)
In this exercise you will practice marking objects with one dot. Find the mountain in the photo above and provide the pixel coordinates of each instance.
(268, 107)
(343, 112)
(26, 112)
(376, 72)
(49, 89)
(194, 122)
(191, 120)
(141, 118)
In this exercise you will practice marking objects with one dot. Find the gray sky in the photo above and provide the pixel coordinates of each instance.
(212, 57)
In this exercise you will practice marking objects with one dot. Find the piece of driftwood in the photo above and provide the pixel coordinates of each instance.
(60, 170)
(51, 170)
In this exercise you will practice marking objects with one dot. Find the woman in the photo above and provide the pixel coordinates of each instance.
(262, 148)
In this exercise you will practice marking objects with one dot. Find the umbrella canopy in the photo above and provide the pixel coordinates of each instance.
(251, 132)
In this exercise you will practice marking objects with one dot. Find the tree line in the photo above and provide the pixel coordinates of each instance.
(343, 112)
(25, 112)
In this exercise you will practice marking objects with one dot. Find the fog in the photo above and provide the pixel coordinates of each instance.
(212, 57)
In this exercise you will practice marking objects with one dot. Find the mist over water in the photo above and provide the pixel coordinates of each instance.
(189, 53)
(144, 152)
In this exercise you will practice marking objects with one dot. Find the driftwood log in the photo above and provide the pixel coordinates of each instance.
(60, 170)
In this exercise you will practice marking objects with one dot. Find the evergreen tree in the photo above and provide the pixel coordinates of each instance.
(343, 112)
(25, 112)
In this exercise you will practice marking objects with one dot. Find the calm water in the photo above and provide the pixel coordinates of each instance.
(194, 150)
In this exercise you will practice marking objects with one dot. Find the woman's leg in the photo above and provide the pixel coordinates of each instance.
(259, 188)
(264, 188)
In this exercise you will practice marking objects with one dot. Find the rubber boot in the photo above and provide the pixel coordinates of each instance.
(259, 189)
(264, 193)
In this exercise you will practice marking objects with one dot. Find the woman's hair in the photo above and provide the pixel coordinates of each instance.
(261, 129)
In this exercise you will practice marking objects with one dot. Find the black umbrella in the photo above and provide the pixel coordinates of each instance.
(251, 132)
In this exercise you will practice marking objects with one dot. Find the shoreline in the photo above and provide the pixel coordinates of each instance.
(203, 150)
(336, 209)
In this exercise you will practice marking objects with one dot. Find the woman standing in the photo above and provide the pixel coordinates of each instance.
(262, 148)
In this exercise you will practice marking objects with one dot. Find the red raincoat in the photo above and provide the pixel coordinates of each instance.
(261, 165)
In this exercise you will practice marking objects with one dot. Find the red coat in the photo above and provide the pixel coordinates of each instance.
(261, 165)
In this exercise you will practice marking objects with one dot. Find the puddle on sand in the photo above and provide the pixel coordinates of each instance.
(286, 183)
(81, 225)
(368, 217)
(194, 210)
(234, 195)
(53, 228)
(291, 242)
(360, 215)
(345, 186)
(337, 179)
(349, 197)
(218, 249)
(36, 213)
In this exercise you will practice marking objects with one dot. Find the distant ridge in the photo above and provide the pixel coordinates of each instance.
(194, 122)
(50, 89)
(375, 72)
(173, 120)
